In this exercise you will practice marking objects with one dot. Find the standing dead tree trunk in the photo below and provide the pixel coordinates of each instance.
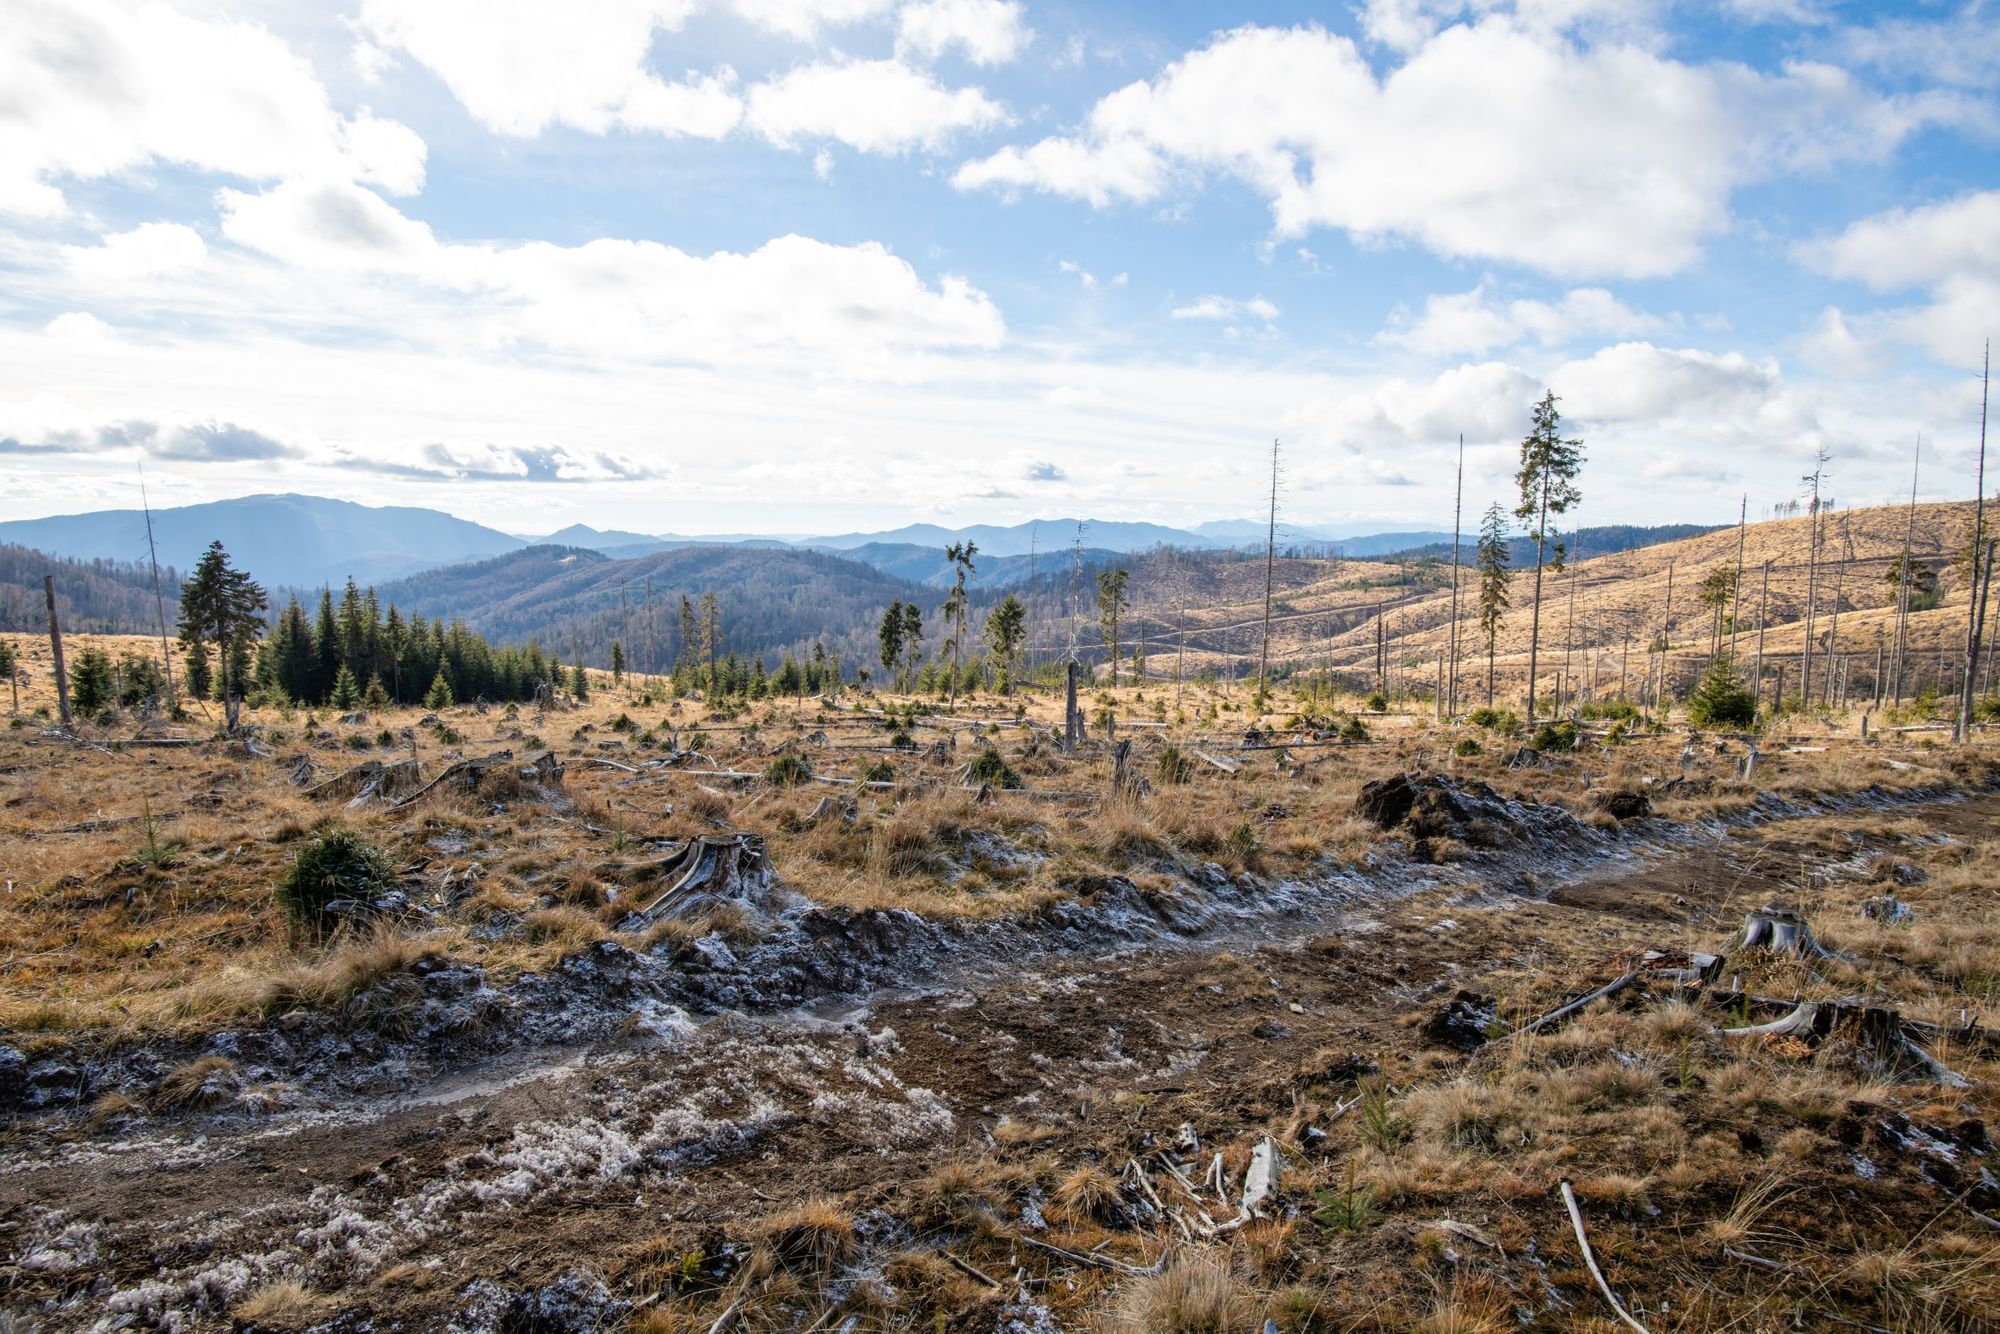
(1963, 730)
(55, 648)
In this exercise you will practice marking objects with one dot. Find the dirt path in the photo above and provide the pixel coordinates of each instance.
(452, 1203)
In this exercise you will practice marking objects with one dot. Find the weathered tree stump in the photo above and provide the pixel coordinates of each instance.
(1778, 929)
(1881, 1040)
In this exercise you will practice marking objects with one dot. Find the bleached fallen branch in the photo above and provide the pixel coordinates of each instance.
(1590, 1260)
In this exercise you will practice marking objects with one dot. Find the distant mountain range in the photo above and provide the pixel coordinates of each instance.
(583, 587)
(306, 541)
(281, 540)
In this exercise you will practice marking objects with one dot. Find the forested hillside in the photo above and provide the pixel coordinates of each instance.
(93, 596)
(577, 602)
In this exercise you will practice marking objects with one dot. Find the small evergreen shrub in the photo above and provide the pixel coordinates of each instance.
(1555, 736)
(1719, 701)
(788, 771)
(990, 769)
(1172, 768)
(330, 866)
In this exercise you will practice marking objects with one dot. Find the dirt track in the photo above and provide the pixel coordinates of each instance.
(521, 1171)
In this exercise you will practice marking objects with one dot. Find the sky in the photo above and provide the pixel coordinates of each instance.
(812, 266)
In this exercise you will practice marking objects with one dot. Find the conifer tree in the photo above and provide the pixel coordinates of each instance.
(617, 663)
(960, 555)
(579, 681)
(225, 605)
(375, 698)
(198, 670)
(438, 697)
(326, 647)
(1547, 479)
(1005, 625)
(10, 671)
(91, 682)
(1493, 573)
(346, 694)
(1111, 604)
(890, 636)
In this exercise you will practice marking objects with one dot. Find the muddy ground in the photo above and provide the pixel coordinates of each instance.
(568, 1189)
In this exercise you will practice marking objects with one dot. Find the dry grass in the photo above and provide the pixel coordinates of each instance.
(814, 1234)
(1196, 1293)
(286, 1302)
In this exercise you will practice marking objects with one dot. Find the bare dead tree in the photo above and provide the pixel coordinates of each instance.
(1963, 731)
(56, 648)
(1270, 567)
(159, 597)
(1449, 703)
(1903, 573)
(1812, 479)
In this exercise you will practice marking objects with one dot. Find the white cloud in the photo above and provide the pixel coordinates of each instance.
(1639, 382)
(622, 300)
(149, 250)
(1951, 249)
(990, 32)
(79, 326)
(1573, 159)
(876, 106)
(520, 66)
(93, 88)
(1477, 321)
(1915, 247)
(1225, 308)
(1961, 48)
(804, 18)
(1833, 347)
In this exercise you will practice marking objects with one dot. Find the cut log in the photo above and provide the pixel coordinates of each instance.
(1216, 761)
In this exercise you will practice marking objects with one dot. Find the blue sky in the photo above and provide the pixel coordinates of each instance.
(727, 265)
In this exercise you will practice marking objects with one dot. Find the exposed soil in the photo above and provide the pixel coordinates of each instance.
(451, 1203)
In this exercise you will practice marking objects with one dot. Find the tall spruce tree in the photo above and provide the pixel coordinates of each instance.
(326, 647)
(1005, 625)
(1547, 479)
(1111, 604)
(222, 604)
(960, 555)
(1493, 574)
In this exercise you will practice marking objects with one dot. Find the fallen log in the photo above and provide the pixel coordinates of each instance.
(1216, 761)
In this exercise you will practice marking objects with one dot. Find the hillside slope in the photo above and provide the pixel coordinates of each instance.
(574, 600)
(1608, 608)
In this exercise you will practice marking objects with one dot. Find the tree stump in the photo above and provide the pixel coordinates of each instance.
(1778, 929)
(1882, 1042)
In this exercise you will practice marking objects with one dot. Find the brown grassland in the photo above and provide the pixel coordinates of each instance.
(1726, 1182)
